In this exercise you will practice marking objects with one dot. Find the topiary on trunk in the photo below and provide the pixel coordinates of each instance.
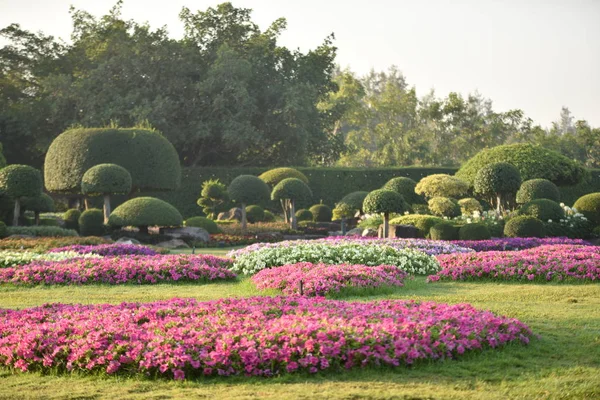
(248, 189)
(19, 181)
(293, 190)
(384, 202)
(143, 212)
(104, 180)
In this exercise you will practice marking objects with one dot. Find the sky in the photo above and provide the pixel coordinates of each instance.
(535, 55)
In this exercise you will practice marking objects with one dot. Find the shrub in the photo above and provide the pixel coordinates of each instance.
(71, 218)
(543, 209)
(443, 231)
(497, 183)
(18, 181)
(304, 215)
(474, 232)
(104, 179)
(274, 176)
(3, 230)
(213, 198)
(91, 222)
(531, 161)
(372, 222)
(53, 231)
(589, 205)
(441, 185)
(444, 207)
(148, 156)
(248, 189)
(469, 205)
(355, 200)
(384, 202)
(269, 216)
(255, 214)
(143, 212)
(49, 222)
(321, 213)
(422, 222)
(202, 222)
(524, 226)
(38, 204)
(534, 189)
(405, 187)
(289, 192)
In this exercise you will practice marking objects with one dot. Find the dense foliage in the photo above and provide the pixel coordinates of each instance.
(17, 181)
(106, 179)
(441, 185)
(91, 222)
(422, 222)
(533, 189)
(543, 209)
(524, 226)
(293, 189)
(202, 222)
(248, 189)
(144, 212)
(321, 213)
(589, 205)
(474, 231)
(497, 183)
(255, 213)
(405, 187)
(71, 218)
(444, 207)
(273, 176)
(444, 231)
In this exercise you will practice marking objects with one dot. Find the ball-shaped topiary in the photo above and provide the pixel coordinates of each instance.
(384, 202)
(274, 176)
(18, 181)
(443, 231)
(497, 183)
(470, 205)
(71, 218)
(524, 226)
(355, 200)
(422, 222)
(589, 206)
(255, 214)
(543, 209)
(474, 231)
(148, 156)
(248, 189)
(321, 213)
(3, 230)
(104, 179)
(91, 222)
(441, 185)
(38, 204)
(202, 222)
(143, 212)
(531, 161)
(269, 216)
(534, 189)
(405, 187)
(304, 215)
(444, 207)
(291, 188)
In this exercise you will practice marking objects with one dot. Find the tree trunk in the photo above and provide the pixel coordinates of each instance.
(17, 212)
(244, 222)
(386, 225)
(106, 208)
(86, 202)
(285, 206)
(37, 218)
(499, 201)
(294, 222)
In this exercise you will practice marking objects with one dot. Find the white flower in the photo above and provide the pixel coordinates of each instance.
(469, 220)
(549, 221)
(562, 205)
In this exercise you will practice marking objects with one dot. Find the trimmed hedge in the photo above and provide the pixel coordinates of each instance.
(524, 226)
(202, 222)
(248, 189)
(589, 205)
(106, 179)
(41, 203)
(474, 231)
(18, 181)
(383, 201)
(444, 207)
(303, 215)
(40, 231)
(321, 213)
(534, 189)
(543, 209)
(405, 187)
(443, 231)
(91, 222)
(273, 176)
(422, 222)
(255, 214)
(145, 211)
(71, 218)
(469, 205)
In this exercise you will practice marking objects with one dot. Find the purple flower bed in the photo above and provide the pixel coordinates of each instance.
(503, 244)
(261, 336)
(115, 249)
(542, 264)
(321, 279)
(118, 270)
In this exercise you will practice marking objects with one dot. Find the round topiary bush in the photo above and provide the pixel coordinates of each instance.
(248, 189)
(321, 213)
(3, 230)
(441, 185)
(470, 205)
(104, 179)
(524, 226)
(474, 232)
(290, 192)
(405, 187)
(269, 216)
(255, 214)
(534, 189)
(276, 175)
(143, 212)
(589, 206)
(444, 207)
(148, 156)
(497, 183)
(303, 215)
(91, 222)
(202, 222)
(443, 231)
(355, 200)
(71, 218)
(38, 204)
(18, 181)
(384, 202)
(543, 209)
(420, 221)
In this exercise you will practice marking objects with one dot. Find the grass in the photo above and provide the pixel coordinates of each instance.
(563, 364)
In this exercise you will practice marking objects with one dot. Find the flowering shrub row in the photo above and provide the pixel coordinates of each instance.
(502, 244)
(14, 258)
(254, 336)
(117, 270)
(408, 260)
(544, 263)
(113, 249)
(41, 244)
(321, 279)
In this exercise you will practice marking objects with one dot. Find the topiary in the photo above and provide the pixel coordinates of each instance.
(148, 156)
(443, 231)
(469, 205)
(269, 216)
(441, 185)
(3, 230)
(143, 212)
(292, 190)
(91, 222)
(248, 189)
(384, 202)
(405, 187)
(444, 207)
(531, 161)
(589, 206)
(71, 218)
(273, 176)
(18, 181)
(104, 180)
(355, 200)
(303, 215)
(422, 222)
(497, 183)
(38, 204)
(321, 213)
(202, 222)
(255, 214)
(534, 189)
(213, 198)
(474, 232)
(524, 226)
(543, 209)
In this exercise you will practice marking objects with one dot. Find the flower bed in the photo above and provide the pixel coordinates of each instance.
(503, 244)
(408, 260)
(41, 244)
(262, 336)
(225, 240)
(14, 258)
(321, 279)
(118, 270)
(113, 249)
(543, 263)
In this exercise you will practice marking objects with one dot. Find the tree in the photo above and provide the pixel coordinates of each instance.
(498, 183)
(293, 190)
(441, 185)
(104, 180)
(248, 189)
(19, 181)
(406, 188)
(38, 204)
(212, 197)
(384, 202)
(143, 212)
(273, 176)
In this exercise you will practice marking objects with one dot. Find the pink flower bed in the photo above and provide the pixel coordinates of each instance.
(544, 263)
(262, 336)
(112, 249)
(321, 279)
(118, 270)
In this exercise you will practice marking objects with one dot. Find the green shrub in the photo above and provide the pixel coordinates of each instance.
(531, 161)
(255, 214)
(497, 183)
(91, 222)
(321, 213)
(524, 226)
(49, 222)
(441, 185)
(354, 200)
(469, 205)
(534, 189)
(3, 230)
(406, 188)
(273, 176)
(143, 212)
(40, 231)
(38, 204)
(104, 179)
(422, 222)
(443, 231)
(475, 231)
(589, 206)
(148, 156)
(202, 222)
(18, 181)
(384, 202)
(444, 207)
(543, 209)
(71, 218)
(372, 222)
(304, 215)
(292, 188)
(248, 189)
(269, 216)
(213, 198)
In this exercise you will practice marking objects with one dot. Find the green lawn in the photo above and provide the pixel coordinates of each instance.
(564, 363)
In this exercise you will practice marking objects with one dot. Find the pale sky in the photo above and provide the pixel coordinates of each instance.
(536, 55)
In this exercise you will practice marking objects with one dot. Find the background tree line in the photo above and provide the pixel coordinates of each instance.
(228, 94)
